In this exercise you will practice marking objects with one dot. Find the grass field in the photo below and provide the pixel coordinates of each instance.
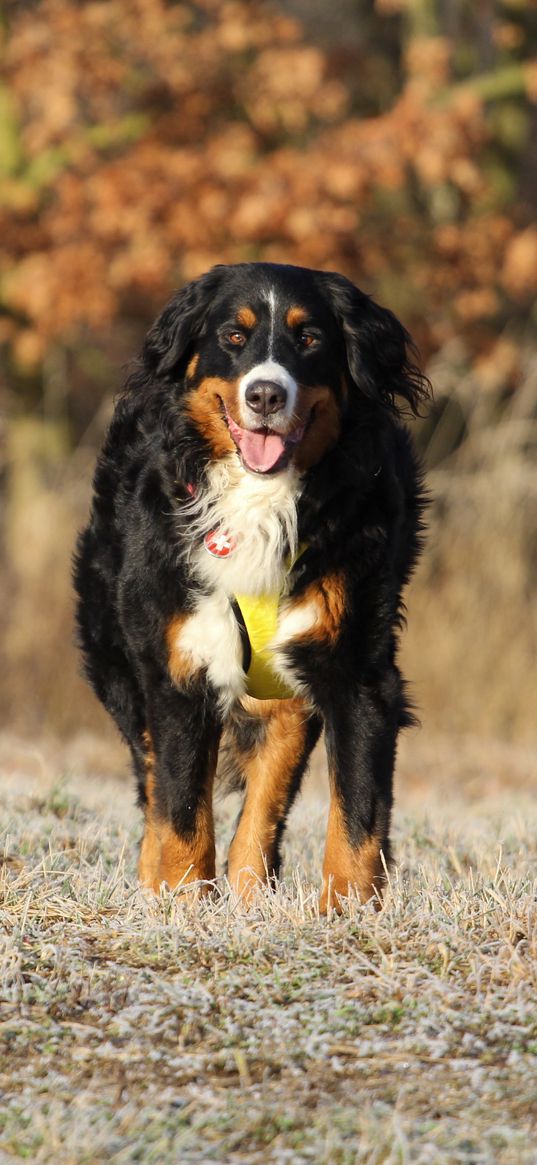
(149, 1031)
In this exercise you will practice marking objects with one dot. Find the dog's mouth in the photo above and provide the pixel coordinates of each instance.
(264, 450)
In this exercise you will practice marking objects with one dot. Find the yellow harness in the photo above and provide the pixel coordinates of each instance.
(257, 616)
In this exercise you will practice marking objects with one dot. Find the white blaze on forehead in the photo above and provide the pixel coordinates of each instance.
(272, 371)
(270, 298)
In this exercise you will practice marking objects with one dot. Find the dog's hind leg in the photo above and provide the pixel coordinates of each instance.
(272, 763)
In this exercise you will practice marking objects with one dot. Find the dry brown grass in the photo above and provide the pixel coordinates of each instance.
(143, 1030)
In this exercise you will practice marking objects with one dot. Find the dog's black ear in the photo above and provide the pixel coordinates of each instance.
(379, 349)
(179, 324)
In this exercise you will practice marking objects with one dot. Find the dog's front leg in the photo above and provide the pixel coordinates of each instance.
(182, 746)
(361, 733)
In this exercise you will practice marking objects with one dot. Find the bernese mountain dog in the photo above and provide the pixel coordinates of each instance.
(257, 512)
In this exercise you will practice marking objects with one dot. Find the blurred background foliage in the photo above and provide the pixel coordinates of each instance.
(142, 141)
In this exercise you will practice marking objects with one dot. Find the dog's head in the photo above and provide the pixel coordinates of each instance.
(272, 361)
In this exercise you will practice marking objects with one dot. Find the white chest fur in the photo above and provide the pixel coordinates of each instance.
(258, 514)
(259, 517)
(209, 640)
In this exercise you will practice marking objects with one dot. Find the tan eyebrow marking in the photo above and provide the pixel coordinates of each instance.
(296, 315)
(246, 317)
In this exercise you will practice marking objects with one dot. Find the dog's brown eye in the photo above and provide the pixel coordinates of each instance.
(306, 339)
(236, 338)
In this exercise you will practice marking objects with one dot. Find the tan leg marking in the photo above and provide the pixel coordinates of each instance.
(269, 772)
(183, 861)
(328, 597)
(179, 663)
(149, 860)
(166, 857)
(347, 868)
(263, 708)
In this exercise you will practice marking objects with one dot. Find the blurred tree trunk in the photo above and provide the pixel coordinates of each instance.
(528, 175)
(483, 24)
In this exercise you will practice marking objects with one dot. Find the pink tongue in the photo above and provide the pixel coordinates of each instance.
(261, 451)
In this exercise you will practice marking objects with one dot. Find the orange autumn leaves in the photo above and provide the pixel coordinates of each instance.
(151, 140)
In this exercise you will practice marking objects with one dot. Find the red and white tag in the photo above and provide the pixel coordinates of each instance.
(219, 544)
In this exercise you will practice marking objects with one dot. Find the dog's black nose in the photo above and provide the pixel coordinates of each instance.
(266, 397)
